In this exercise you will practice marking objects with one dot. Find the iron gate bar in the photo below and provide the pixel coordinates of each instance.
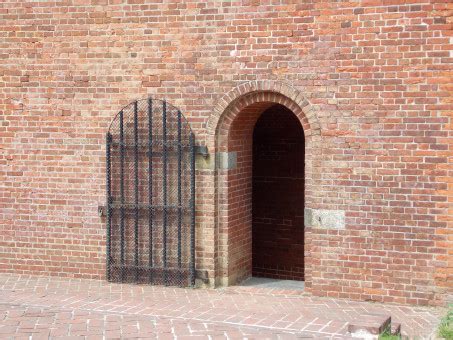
(150, 185)
(179, 189)
(109, 201)
(164, 184)
(136, 186)
(122, 193)
(192, 206)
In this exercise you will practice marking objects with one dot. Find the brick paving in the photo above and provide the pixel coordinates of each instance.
(42, 307)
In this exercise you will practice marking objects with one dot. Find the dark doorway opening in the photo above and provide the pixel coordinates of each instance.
(278, 196)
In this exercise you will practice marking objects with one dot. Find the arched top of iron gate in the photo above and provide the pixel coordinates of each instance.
(146, 107)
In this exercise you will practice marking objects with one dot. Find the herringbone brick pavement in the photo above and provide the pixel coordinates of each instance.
(42, 307)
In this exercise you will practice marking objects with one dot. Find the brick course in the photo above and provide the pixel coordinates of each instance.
(369, 81)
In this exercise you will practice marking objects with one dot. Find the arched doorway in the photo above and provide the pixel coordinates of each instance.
(278, 195)
(230, 137)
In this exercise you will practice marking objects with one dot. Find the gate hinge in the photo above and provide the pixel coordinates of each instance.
(202, 275)
(201, 150)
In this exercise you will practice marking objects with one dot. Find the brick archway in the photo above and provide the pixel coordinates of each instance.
(260, 91)
(229, 132)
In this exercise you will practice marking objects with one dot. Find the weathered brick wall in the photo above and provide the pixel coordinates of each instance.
(375, 77)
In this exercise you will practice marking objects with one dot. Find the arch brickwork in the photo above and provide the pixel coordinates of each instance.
(252, 92)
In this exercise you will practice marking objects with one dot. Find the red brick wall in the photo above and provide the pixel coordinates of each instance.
(278, 195)
(374, 77)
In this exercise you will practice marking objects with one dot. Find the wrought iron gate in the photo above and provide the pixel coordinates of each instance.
(150, 196)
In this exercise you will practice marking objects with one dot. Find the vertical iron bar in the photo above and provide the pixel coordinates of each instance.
(179, 196)
(122, 194)
(192, 208)
(136, 188)
(109, 195)
(150, 187)
(164, 188)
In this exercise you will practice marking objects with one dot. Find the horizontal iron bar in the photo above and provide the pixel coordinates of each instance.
(175, 269)
(147, 206)
(154, 143)
(154, 153)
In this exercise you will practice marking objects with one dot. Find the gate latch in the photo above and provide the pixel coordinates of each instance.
(102, 210)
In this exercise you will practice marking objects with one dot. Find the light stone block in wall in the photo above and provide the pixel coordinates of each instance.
(325, 219)
(226, 160)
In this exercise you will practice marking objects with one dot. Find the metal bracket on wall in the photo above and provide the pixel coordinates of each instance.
(102, 210)
(201, 150)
